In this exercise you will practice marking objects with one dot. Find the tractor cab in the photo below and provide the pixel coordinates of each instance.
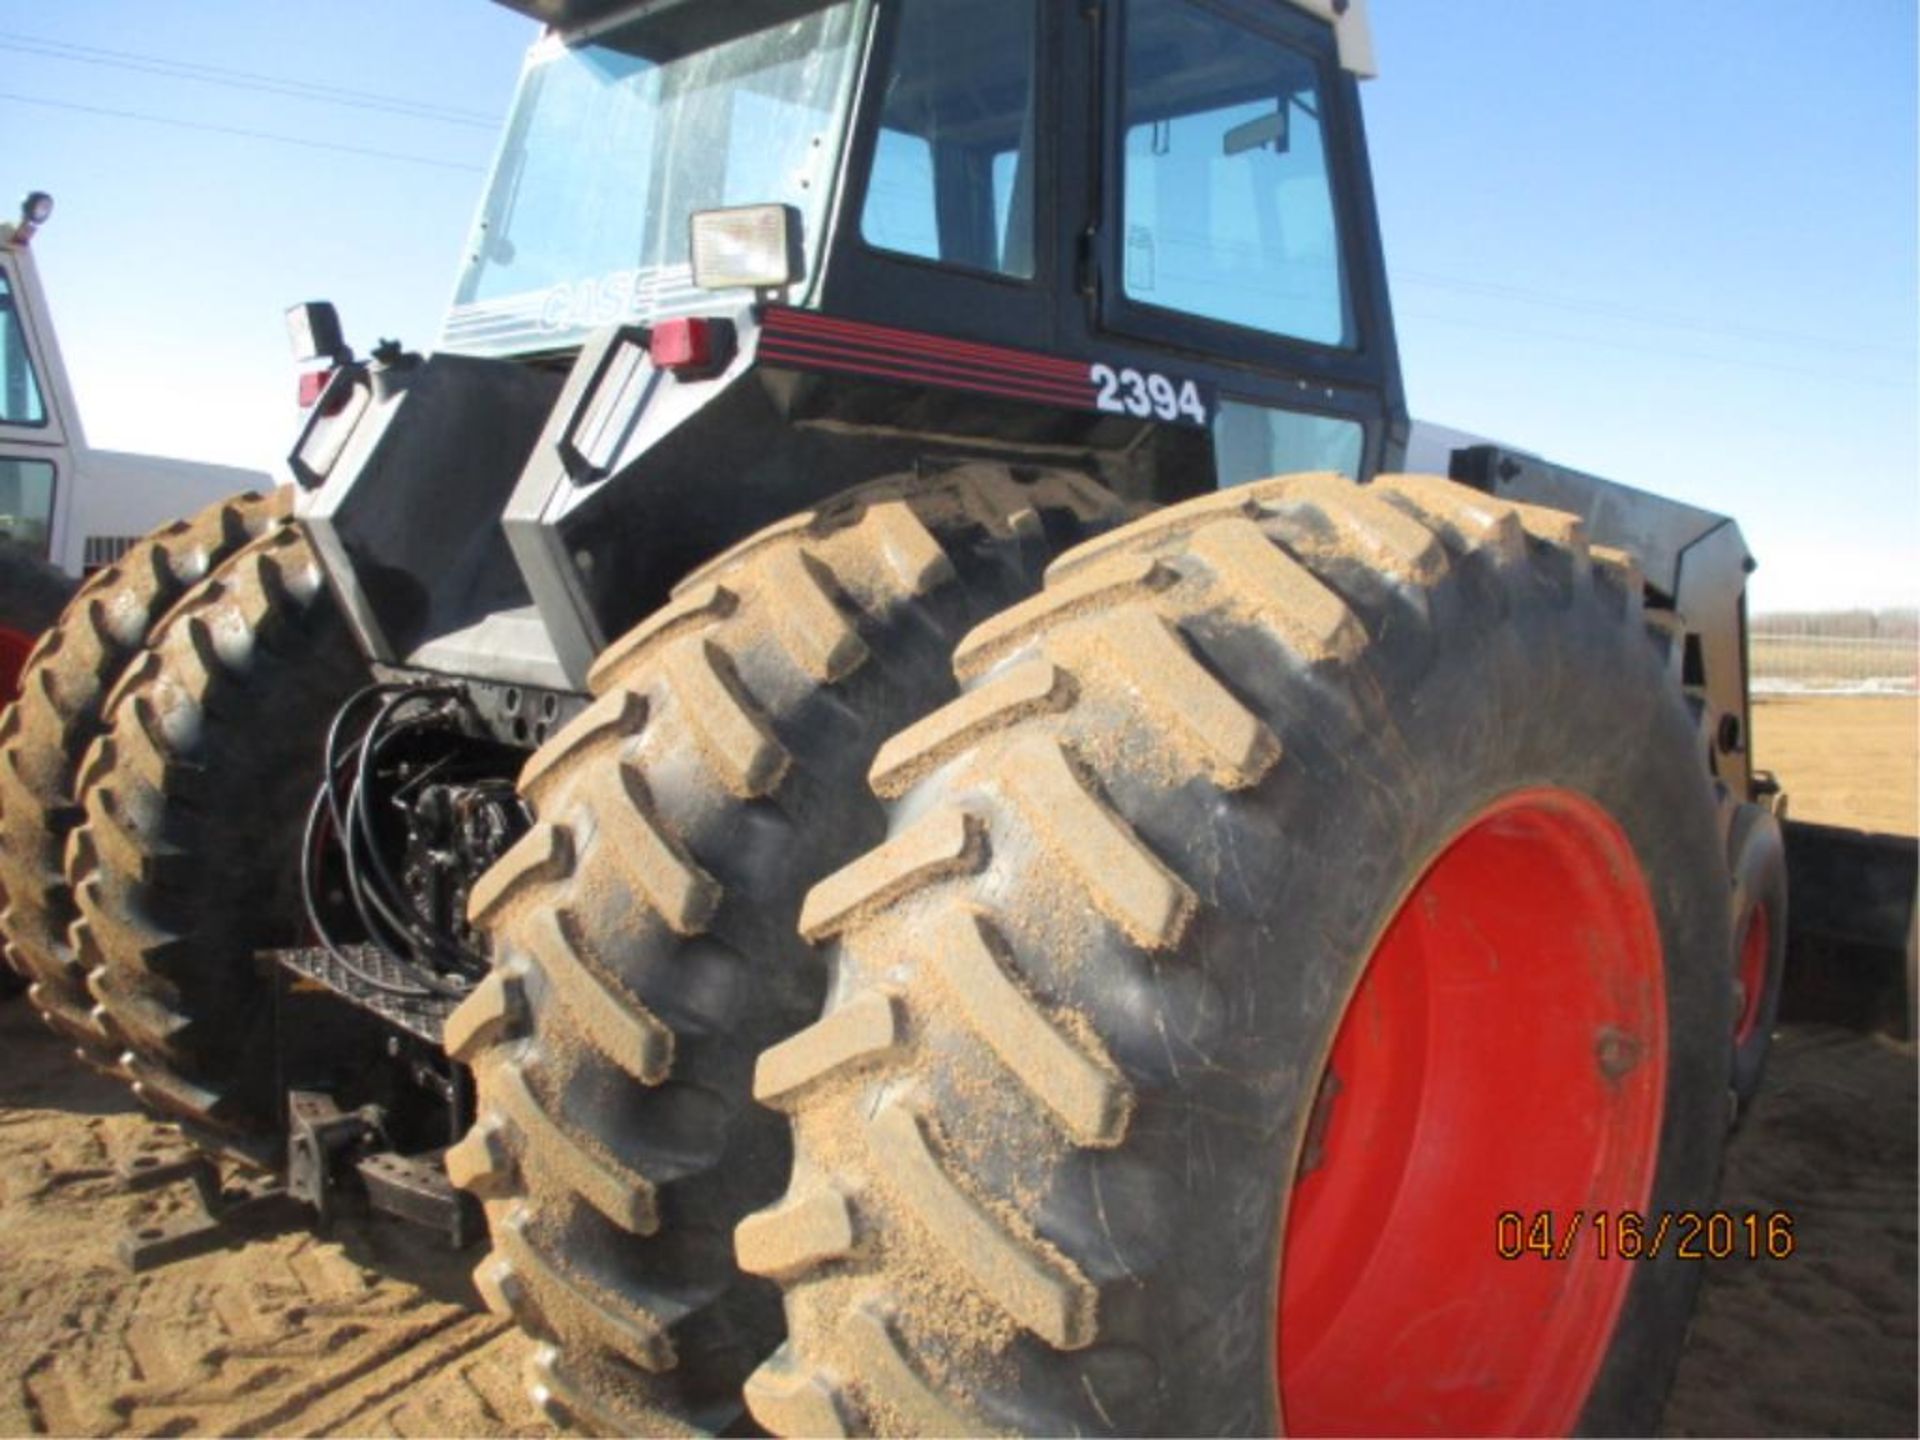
(734, 258)
(64, 502)
(1172, 195)
(33, 406)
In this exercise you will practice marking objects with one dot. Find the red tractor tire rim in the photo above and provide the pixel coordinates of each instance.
(14, 650)
(1756, 949)
(1504, 1051)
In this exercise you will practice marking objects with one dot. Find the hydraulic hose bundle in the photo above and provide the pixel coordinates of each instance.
(390, 748)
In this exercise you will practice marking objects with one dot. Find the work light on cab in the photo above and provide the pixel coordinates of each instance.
(35, 211)
(749, 247)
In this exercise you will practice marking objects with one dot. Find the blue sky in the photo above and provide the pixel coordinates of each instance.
(1672, 244)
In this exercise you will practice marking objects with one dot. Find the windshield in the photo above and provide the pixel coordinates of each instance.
(613, 145)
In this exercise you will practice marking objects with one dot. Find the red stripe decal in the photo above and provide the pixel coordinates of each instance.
(1073, 392)
(810, 340)
(984, 386)
(800, 323)
(1075, 375)
(1011, 361)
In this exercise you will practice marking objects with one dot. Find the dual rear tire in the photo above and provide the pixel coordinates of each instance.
(1357, 883)
(643, 934)
(60, 710)
(1307, 878)
(186, 863)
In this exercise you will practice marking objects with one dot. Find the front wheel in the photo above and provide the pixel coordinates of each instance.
(1757, 855)
(1368, 891)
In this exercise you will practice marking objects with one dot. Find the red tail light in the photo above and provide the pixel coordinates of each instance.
(313, 391)
(312, 383)
(689, 347)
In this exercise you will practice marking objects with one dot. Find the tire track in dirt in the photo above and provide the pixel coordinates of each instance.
(370, 1332)
(373, 1333)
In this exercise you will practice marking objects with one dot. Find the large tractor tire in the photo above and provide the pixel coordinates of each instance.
(58, 714)
(1310, 877)
(643, 932)
(187, 862)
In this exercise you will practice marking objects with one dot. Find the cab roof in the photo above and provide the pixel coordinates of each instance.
(1352, 32)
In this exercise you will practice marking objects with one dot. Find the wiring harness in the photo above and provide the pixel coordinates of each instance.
(415, 805)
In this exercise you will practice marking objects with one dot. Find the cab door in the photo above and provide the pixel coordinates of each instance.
(954, 199)
(1235, 239)
(34, 454)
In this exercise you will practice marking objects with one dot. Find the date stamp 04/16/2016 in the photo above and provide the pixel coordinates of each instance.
(1638, 1235)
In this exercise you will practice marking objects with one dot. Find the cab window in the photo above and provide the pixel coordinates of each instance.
(1228, 203)
(1254, 442)
(953, 170)
(20, 402)
(26, 502)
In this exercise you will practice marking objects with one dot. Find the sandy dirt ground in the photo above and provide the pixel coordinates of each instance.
(1844, 760)
(372, 1331)
(1824, 1341)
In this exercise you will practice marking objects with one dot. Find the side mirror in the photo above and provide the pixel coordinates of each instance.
(313, 329)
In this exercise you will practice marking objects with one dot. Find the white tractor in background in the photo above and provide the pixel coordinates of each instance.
(66, 510)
